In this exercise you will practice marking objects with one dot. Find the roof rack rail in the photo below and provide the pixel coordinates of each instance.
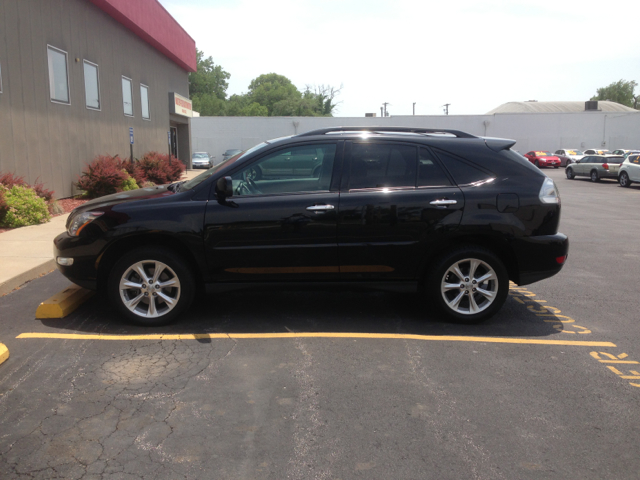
(323, 131)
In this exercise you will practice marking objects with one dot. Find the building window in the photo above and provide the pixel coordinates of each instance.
(91, 85)
(144, 101)
(58, 75)
(127, 97)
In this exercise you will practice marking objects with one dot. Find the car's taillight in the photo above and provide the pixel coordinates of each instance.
(549, 192)
(561, 260)
(605, 166)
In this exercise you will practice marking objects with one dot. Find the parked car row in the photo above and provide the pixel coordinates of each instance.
(625, 169)
(564, 157)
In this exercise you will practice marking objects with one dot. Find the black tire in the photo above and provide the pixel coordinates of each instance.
(536, 163)
(556, 166)
(623, 180)
(569, 173)
(594, 176)
(442, 275)
(173, 270)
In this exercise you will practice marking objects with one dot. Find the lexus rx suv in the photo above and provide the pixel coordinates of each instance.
(449, 215)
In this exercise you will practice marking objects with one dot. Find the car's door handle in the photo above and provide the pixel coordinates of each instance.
(443, 202)
(320, 208)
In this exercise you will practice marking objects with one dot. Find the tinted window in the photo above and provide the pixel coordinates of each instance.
(91, 85)
(306, 168)
(377, 165)
(462, 171)
(429, 172)
(58, 81)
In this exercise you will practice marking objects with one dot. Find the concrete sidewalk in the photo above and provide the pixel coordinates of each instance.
(27, 253)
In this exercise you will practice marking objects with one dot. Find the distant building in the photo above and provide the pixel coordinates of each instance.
(533, 106)
(76, 75)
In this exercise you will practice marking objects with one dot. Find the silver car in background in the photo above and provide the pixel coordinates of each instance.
(201, 160)
(595, 167)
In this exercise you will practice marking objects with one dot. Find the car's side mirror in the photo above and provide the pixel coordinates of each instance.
(224, 187)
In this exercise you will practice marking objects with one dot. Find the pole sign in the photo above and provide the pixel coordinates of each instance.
(131, 135)
(169, 136)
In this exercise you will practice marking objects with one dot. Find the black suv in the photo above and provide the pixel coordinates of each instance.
(447, 214)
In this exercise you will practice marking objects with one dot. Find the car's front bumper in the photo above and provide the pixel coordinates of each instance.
(85, 253)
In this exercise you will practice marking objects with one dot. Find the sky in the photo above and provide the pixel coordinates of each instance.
(473, 55)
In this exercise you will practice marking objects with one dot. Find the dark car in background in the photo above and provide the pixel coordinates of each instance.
(230, 153)
(443, 213)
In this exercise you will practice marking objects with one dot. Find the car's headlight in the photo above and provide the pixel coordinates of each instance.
(82, 220)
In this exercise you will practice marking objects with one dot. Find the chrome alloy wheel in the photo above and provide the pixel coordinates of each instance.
(469, 286)
(149, 289)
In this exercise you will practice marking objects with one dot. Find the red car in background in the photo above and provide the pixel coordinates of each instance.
(541, 158)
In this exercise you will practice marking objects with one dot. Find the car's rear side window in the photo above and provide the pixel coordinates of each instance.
(430, 174)
(462, 171)
(378, 165)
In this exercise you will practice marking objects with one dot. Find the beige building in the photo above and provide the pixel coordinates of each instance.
(77, 75)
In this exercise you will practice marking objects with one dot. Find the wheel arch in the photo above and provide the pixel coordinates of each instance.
(496, 245)
(110, 256)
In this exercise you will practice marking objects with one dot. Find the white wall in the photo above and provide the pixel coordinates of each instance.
(542, 131)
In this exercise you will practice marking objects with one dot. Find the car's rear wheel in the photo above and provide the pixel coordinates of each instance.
(469, 284)
(623, 179)
(569, 173)
(594, 176)
(151, 286)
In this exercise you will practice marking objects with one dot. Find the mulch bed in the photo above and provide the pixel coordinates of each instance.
(67, 204)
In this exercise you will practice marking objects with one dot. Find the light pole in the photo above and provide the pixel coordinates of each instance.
(414, 108)
(446, 108)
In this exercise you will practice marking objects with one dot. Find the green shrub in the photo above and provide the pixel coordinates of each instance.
(24, 207)
(129, 184)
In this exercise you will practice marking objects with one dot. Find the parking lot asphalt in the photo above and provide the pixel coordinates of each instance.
(342, 384)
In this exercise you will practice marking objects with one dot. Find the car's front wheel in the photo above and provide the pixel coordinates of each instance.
(151, 286)
(469, 284)
(623, 179)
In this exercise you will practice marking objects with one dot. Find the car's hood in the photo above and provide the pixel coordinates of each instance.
(130, 196)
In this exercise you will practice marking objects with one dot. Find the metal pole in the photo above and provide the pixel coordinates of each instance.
(414, 108)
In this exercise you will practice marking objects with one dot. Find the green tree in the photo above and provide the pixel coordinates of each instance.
(271, 89)
(621, 92)
(209, 79)
(208, 86)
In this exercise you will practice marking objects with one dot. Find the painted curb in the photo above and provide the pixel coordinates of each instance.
(19, 280)
(64, 302)
(4, 352)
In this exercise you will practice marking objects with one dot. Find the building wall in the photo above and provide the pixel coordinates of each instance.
(531, 131)
(51, 141)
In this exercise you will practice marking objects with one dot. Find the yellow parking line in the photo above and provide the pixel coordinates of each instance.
(200, 336)
(4, 352)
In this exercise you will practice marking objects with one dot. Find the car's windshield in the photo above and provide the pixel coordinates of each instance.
(203, 176)
(543, 154)
(574, 152)
(200, 155)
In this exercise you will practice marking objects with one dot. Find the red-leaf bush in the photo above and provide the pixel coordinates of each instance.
(103, 176)
(9, 180)
(157, 168)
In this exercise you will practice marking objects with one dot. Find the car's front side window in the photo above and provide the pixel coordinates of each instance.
(304, 168)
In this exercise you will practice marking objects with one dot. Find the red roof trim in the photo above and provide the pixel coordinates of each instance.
(150, 21)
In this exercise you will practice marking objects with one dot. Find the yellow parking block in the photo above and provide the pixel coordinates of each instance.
(64, 302)
(4, 352)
